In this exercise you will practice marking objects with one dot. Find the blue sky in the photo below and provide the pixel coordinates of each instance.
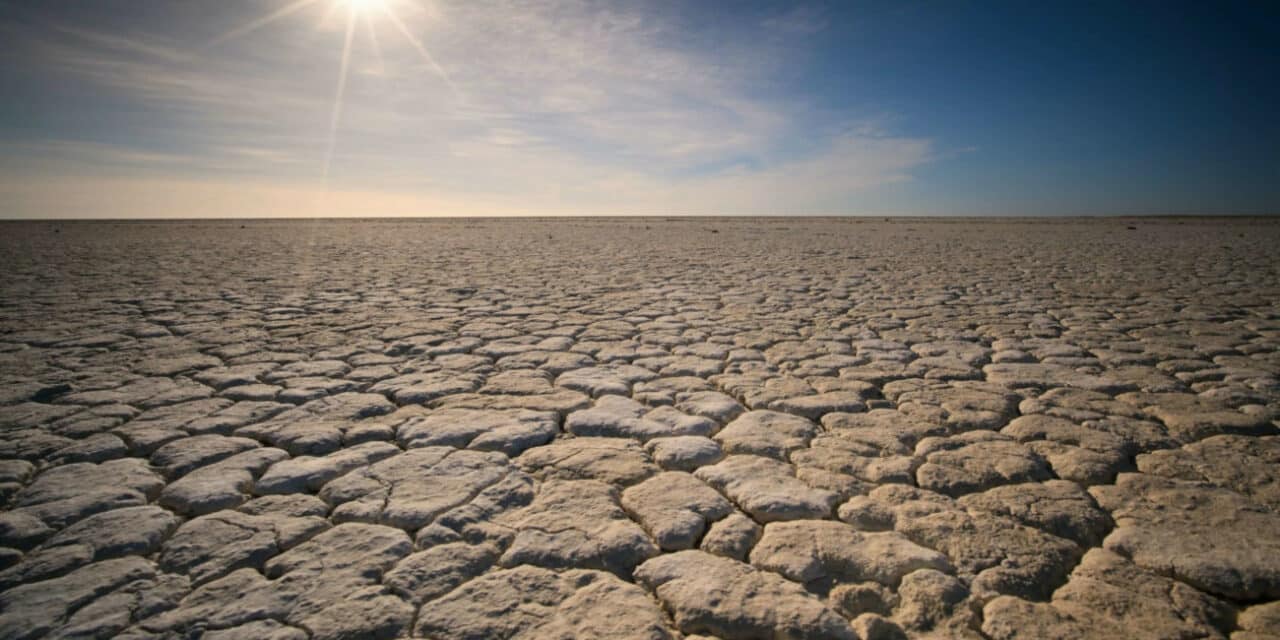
(156, 108)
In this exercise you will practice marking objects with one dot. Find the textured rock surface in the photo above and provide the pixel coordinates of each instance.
(577, 523)
(1058, 507)
(618, 417)
(975, 461)
(730, 428)
(329, 584)
(675, 508)
(766, 489)
(767, 433)
(429, 574)
(1108, 597)
(714, 595)
(212, 546)
(684, 453)
(510, 431)
(411, 489)
(528, 602)
(1212, 538)
(808, 550)
(998, 554)
(613, 460)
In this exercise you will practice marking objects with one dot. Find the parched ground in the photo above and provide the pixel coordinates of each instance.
(640, 429)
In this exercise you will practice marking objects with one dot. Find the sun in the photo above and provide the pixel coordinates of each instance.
(364, 6)
(365, 12)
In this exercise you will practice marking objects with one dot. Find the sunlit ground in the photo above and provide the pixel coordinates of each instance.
(639, 429)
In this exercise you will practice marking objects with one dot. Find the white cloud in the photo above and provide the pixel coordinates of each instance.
(549, 107)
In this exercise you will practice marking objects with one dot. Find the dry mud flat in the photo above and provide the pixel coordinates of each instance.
(640, 429)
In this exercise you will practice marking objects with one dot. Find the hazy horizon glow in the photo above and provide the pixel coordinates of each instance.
(262, 108)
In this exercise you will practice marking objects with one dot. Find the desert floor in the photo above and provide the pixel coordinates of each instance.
(640, 428)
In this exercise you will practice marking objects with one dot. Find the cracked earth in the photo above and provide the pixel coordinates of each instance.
(640, 429)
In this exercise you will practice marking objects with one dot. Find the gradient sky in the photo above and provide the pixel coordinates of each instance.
(195, 108)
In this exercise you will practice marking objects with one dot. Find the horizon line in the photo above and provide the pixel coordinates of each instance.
(913, 216)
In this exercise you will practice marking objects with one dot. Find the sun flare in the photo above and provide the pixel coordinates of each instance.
(364, 6)
(365, 12)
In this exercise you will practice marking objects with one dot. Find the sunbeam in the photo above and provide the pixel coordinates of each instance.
(357, 10)
(372, 34)
(336, 114)
(422, 49)
(261, 22)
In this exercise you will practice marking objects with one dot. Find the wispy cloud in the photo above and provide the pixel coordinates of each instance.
(802, 19)
(542, 107)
